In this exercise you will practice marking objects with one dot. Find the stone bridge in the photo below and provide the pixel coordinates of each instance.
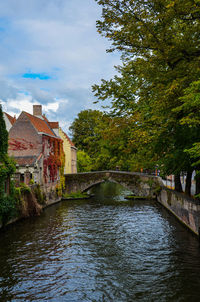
(140, 184)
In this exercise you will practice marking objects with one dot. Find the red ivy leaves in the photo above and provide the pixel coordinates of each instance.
(53, 161)
(18, 145)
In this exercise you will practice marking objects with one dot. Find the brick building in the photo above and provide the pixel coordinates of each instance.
(36, 148)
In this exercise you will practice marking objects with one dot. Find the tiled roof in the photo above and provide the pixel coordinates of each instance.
(45, 118)
(54, 125)
(11, 119)
(40, 125)
(25, 160)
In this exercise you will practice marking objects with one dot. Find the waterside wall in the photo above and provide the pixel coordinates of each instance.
(186, 209)
(33, 202)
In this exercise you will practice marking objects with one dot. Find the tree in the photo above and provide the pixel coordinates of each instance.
(189, 110)
(83, 131)
(3, 136)
(84, 162)
(102, 140)
(7, 167)
(160, 53)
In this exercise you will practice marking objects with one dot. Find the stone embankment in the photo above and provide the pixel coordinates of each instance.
(31, 202)
(185, 208)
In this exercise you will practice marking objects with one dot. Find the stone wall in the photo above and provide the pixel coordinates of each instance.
(33, 202)
(140, 184)
(186, 209)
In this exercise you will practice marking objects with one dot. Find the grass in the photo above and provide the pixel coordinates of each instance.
(135, 197)
(75, 195)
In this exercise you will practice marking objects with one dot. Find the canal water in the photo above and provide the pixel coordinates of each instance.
(103, 249)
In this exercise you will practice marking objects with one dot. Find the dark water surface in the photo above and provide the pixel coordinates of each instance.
(104, 249)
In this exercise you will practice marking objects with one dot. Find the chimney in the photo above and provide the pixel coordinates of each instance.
(37, 110)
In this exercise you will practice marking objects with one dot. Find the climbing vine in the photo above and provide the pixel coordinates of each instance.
(54, 161)
(21, 144)
(7, 199)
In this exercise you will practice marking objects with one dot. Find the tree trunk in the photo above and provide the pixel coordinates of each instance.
(188, 183)
(178, 185)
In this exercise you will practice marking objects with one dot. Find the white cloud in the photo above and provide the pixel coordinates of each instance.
(58, 38)
(51, 106)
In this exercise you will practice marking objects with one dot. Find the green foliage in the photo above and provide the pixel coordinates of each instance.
(136, 197)
(84, 162)
(155, 98)
(83, 130)
(197, 196)
(74, 195)
(156, 88)
(7, 168)
(40, 196)
(31, 182)
(8, 205)
(190, 104)
(7, 208)
(108, 144)
(24, 188)
(3, 136)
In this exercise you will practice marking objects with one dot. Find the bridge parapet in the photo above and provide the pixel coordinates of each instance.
(140, 184)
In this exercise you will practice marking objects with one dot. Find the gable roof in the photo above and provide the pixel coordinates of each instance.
(67, 137)
(10, 118)
(53, 125)
(39, 124)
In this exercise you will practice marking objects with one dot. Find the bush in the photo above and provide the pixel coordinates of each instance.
(24, 188)
(40, 196)
(8, 209)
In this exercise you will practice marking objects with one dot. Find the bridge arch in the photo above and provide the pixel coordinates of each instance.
(140, 184)
(103, 181)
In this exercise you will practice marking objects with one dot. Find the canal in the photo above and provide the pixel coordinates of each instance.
(103, 249)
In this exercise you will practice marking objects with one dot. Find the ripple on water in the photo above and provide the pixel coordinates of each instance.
(99, 251)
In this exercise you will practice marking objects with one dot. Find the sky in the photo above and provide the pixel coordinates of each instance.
(51, 54)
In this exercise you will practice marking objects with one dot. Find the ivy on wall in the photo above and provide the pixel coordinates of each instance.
(21, 144)
(7, 168)
(54, 160)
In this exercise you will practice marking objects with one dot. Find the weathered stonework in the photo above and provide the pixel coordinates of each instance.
(140, 184)
(186, 209)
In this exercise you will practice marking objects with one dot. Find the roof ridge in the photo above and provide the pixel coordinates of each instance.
(67, 137)
(11, 118)
(41, 122)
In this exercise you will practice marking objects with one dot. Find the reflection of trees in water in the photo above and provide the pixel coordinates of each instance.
(28, 244)
(109, 190)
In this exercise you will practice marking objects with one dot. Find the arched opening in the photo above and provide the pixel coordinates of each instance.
(105, 180)
(109, 190)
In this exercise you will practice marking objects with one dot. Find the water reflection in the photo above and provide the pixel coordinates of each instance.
(104, 249)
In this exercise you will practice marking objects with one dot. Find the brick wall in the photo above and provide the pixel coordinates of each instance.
(24, 139)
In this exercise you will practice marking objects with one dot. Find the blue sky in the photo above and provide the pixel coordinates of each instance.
(51, 54)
